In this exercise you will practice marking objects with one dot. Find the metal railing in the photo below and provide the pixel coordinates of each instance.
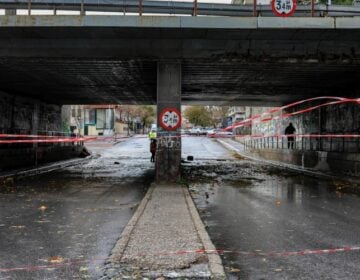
(326, 143)
(194, 8)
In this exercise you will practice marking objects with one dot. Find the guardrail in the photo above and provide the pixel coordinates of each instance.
(174, 8)
(306, 142)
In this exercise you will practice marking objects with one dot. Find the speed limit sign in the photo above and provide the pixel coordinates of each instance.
(283, 8)
(170, 119)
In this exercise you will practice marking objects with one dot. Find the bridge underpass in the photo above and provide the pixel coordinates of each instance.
(44, 66)
(219, 61)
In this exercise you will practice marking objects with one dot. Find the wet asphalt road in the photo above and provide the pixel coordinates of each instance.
(250, 208)
(246, 206)
(63, 225)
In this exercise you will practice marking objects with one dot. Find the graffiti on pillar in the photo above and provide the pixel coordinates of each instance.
(170, 119)
(168, 142)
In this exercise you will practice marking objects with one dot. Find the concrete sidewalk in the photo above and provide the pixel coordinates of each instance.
(165, 238)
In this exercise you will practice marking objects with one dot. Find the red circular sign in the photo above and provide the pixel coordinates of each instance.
(170, 119)
(283, 8)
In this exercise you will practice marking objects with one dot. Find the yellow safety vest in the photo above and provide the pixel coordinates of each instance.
(152, 135)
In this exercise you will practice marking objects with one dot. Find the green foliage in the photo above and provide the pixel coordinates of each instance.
(198, 115)
(337, 2)
(147, 115)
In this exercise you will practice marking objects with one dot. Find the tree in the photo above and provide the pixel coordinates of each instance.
(129, 114)
(146, 115)
(219, 115)
(336, 2)
(198, 115)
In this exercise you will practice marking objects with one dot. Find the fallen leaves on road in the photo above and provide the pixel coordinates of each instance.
(42, 208)
(9, 182)
(18, 227)
(83, 269)
(56, 259)
(42, 221)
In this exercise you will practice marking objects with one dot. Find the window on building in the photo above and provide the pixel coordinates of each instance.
(109, 116)
(100, 118)
(90, 115)
(104, 119)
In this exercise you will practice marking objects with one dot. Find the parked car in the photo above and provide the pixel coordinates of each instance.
(185, 131)
(219, 133)
(198, 131)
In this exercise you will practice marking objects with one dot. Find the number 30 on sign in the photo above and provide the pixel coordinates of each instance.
(283, 8)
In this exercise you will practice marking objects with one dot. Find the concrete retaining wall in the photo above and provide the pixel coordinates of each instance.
(19, 115)
(332, 119)
(27, 157)
(337, 163)
(25, 115)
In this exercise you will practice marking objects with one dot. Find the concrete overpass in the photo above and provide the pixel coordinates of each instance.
(171, 60)
(224, 60)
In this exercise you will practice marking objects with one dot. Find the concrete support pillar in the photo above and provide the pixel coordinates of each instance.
(168, 154)
(10, 12)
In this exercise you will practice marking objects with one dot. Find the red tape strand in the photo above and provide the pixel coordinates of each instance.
(339, 100)
(198, 251)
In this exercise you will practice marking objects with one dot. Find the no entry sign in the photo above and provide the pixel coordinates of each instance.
(283, 8)
(170, 119)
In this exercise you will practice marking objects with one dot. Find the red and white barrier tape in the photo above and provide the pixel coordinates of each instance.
(60, 140)
(248, 122)
(198, 251)
(301, 135)
(86, 139)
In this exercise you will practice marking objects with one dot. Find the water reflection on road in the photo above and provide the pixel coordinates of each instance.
(63, 225)
(254, 210)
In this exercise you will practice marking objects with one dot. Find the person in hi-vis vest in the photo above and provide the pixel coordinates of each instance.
(152, 134)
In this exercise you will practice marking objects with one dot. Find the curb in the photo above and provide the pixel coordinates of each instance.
(215, 264)
(45, 169)
(285, 166)
(120, 246)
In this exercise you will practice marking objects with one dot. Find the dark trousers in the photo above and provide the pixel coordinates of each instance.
(152, 157)
(291, 142)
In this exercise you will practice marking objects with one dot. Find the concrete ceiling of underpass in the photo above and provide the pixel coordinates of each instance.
(225, 60)
(217, 82)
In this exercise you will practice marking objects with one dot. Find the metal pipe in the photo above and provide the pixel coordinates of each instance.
(29, 7)
(82, 9)
(140, 7)
(254, 8)
(195, 11)
(312, 7)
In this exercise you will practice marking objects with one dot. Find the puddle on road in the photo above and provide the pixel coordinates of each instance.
(245, 207)
(70, 218)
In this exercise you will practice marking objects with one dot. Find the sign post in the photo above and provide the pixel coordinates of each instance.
(283, 8)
